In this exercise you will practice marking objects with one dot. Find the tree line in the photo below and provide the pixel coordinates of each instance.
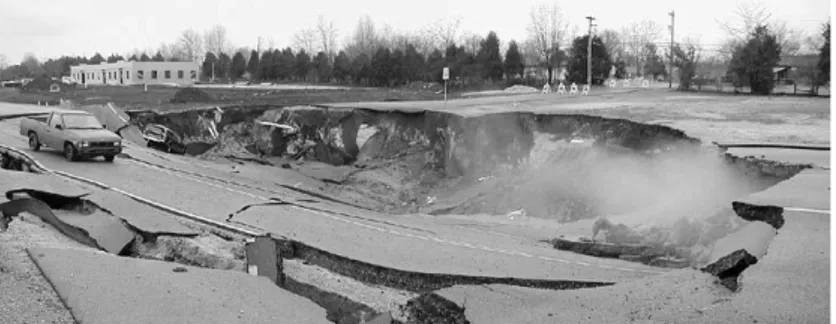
(383, 56)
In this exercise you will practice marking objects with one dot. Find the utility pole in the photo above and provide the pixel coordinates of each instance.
(670, 74)
(589, 53)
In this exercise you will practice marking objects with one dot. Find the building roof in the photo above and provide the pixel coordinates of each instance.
(799, 60)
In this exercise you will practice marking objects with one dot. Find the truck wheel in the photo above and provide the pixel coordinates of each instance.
(109, 158)
(34, 143)
(70, 152)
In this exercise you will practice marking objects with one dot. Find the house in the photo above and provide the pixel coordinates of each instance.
(133, 72)
(796, 68)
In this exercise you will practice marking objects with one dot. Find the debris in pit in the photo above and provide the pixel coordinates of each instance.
(191, 94)
(520, 213)
(603, 230)
(430, 308)
(179, 269)
(729, 268)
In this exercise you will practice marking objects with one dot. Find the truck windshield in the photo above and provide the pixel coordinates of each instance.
(77, 121)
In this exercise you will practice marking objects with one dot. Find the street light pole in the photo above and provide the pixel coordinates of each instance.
(670, 74)
(589, 53)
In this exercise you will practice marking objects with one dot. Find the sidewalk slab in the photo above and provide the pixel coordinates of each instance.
(106, 289)
(808, 189)
(26, 181)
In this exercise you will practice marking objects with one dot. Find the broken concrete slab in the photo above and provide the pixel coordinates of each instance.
(754, 237)
(42, 210)
(108, 231)
(808, 189)
(772, 215)
(674, 297)
(729, 268)
(144, 218)
(15, 181)
(385, 318)
(94, 285)
(263, 259)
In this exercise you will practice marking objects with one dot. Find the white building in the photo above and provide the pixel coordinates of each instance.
(133, 72)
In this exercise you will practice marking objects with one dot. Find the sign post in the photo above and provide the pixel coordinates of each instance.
(445, 74)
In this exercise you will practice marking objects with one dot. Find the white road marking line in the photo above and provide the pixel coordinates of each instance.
(380, 229)
(807, 210)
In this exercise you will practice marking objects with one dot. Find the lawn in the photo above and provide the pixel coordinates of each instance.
(158, 97)
(708, 116)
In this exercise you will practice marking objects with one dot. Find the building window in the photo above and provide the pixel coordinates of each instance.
(154, 74)
(167, 74)
(180, 74)
(140, 74)
(193, 74)
(127, 74)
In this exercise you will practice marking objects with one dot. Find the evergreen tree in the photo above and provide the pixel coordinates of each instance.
(209, 63)
(302, 65)
(145, 58)
(323, 67)
(342, 67)
(265, 65)
(490, 59)
(514, 65)
(97, 59)
(601, 64)
(824, 56)
(252, 65)
(752, 63)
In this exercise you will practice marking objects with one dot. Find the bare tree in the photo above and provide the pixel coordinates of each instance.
(305, 39)
(548, 31)
(471, 41)
(365, 38)
(613, 42)
(215, 40)
(327, 36)
(749, 14)
(444, 31)
(3, 63)
(191, 44)
(636, 37)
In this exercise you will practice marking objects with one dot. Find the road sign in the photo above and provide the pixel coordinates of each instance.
(446, 74)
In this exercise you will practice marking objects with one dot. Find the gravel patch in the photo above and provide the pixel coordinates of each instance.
(27, 297)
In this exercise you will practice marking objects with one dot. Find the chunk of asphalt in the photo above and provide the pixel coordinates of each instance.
(729, 268)
(144, 218)
(772, 215)
(109, 232)
(604, 250)
(430, 308)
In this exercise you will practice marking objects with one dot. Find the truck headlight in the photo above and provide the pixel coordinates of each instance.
(117, 143)
(83, 144)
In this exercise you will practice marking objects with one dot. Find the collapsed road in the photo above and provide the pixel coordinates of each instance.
(404, 250)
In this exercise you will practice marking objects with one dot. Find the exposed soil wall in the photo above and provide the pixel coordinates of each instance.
(456, 144)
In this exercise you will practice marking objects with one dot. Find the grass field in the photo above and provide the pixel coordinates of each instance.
(157, 97)
(707, 116)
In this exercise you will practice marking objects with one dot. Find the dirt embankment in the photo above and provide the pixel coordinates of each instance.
(563, 167)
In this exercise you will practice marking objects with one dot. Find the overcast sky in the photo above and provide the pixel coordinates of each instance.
(50, 28)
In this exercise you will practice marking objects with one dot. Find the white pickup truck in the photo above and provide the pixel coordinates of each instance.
(79, 134)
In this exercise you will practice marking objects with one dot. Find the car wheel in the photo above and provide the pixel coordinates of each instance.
(109, 158)
(34, 143)
(70, 152)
